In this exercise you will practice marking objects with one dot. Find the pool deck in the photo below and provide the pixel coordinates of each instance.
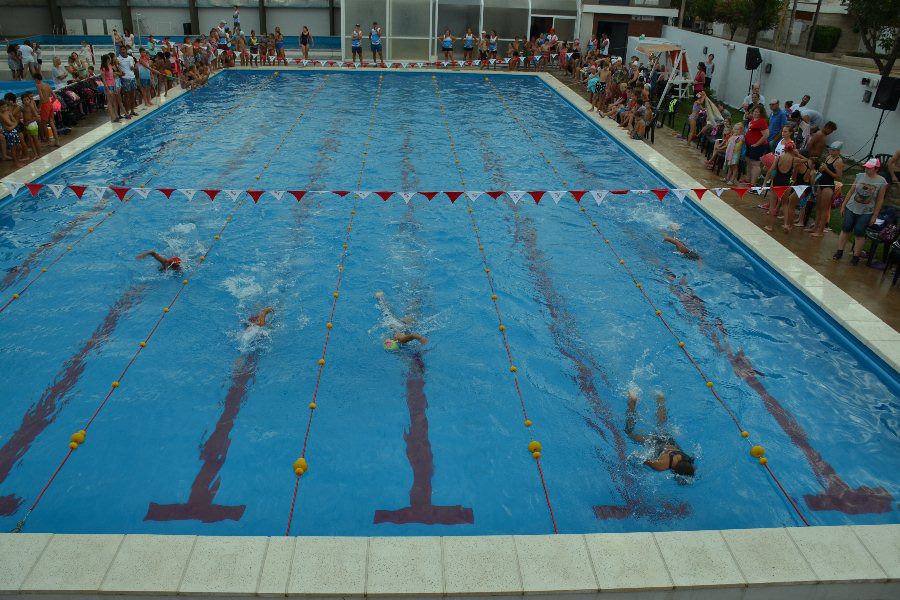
(852, 562)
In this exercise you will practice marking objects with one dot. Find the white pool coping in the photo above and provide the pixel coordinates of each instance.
(852, 562)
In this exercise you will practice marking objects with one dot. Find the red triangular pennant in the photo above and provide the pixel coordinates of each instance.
(211, 193)
(255, 194)
(495, 194)
(453, 196)
(578, 194)
(384, 195)
(166, 191)
(298, 194)
(780, 189)
(34, 188)
(660, 193)
(699, 192)
(78, 189)
(537, 196)
(429, 195)
(341, 193)
(740, 191)
(120, 192)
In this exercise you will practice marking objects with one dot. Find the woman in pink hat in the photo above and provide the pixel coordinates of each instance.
(860, 208)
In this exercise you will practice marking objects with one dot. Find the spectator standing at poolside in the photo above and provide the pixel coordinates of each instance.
(604, 45)
(893, 168)
(860, 208)
(375, 35)
(710, 69)
(29, 61)
(778, 118)
(128, 81)
(700, 78)
(817, 141)
(236, 18)
(306, 41)
(117, 40)
(748, 99)
(804, 101)
(831, 170)
(14, 60)
(754, 102)
(757, 143)
(128, 38)
(86, 54)
(47, 97)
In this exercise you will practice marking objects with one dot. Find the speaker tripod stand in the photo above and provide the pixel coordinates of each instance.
(871, 153)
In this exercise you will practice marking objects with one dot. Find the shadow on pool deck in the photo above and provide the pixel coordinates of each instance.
(863, 284)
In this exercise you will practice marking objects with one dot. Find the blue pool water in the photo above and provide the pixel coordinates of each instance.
(202, 433)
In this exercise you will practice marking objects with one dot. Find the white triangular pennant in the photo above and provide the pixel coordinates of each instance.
(56, 189)
(556, 195)
(568, 55)
(188, 193)
(233, 194)
(758, 189)
(719, 191)
(800, 189)
(304, 62)
(506, 61)
(277, 193)
(492, 61)
(444, 63)
(407, 196)
(476, 62)
(98, 190)
(142, 192)
(599, 195)
(680, 194)
(362, 194)
(473, 195)
(516, 195)
(553, 56)
(639, 191)
(13, 186)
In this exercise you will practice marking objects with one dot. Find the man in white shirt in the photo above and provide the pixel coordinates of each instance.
(29, 61)
(748, 98)
(813, 117)
(128, 81)
(604, 45)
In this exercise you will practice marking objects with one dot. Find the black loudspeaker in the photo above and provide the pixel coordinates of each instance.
(888, 93)
(753, 60)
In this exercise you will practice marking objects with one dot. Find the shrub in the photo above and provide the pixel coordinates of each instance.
(825, 38)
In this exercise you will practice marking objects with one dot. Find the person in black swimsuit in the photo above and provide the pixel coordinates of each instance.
(804, 170)
(780, 176)
(668, 454)
(829, 172)
(306, 40)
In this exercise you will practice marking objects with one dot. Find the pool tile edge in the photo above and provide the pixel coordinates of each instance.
(754, 562)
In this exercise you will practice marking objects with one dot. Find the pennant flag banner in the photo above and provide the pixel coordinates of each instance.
(122, 192)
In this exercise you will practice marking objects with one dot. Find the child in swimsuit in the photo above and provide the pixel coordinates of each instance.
(165, 264)
(30, 119)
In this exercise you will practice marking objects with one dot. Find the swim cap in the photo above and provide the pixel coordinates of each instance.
(391, 345)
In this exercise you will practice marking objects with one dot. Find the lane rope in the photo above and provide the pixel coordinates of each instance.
(155, 172)
(534, 447)
(80, 436)
(757, 451)
(301, 465)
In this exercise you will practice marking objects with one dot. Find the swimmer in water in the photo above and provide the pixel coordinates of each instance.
(680, 246)
(165, 264)
(667, 454)
(399, 336)
(259, 319)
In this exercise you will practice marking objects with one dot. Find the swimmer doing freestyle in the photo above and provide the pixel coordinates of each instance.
(165, 264)
(667, 454)
(680, 246)
(399, 335)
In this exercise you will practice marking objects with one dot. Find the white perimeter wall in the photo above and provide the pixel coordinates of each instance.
(836, 91)
(291, 20)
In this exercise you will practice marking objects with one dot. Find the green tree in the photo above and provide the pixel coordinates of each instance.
(878, 22)
(733, 14)
(705, 9)
(763, 15)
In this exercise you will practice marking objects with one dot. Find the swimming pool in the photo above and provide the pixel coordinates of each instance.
(202, 433)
